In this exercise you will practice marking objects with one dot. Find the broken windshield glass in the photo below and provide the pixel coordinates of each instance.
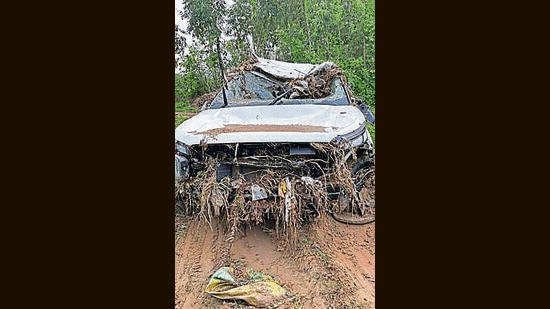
(253, 88)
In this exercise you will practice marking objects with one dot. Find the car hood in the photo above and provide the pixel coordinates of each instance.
(271, 124)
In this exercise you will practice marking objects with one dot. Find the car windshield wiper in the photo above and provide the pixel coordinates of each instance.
(277, 99)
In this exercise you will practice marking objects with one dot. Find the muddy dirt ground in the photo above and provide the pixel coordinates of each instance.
(332, 266)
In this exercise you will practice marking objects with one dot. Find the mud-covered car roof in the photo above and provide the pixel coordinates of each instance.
(289, 71)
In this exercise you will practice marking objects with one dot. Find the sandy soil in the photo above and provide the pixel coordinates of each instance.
(333, 265)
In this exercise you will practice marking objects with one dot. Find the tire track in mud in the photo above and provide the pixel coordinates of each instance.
(333, 266)
(191, 268)
(341, 268)
(350, 251)
(199, 250)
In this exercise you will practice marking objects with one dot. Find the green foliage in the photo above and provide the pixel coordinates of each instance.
(192, 82)
(183, 107)
(205, 19)
(179, 119)
(179, 44)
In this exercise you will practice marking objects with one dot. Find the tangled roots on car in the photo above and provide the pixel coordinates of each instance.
(224, 200)
(286, 200)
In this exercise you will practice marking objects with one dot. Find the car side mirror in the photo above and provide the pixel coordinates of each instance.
(365, 109)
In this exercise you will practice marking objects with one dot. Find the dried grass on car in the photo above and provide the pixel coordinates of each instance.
(207, 199)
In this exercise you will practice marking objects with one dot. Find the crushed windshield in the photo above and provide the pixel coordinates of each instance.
(251, 85)
(249, 88)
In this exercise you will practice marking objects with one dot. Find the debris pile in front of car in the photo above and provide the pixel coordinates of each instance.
(235, 180)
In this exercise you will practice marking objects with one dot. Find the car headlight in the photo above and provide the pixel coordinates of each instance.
(182, 149)
(182, 168)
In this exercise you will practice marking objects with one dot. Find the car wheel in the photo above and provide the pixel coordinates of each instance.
(358, 210)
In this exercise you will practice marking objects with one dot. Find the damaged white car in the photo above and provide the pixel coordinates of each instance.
(282, 141)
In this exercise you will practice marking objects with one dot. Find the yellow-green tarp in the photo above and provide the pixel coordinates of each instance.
(260, 293)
